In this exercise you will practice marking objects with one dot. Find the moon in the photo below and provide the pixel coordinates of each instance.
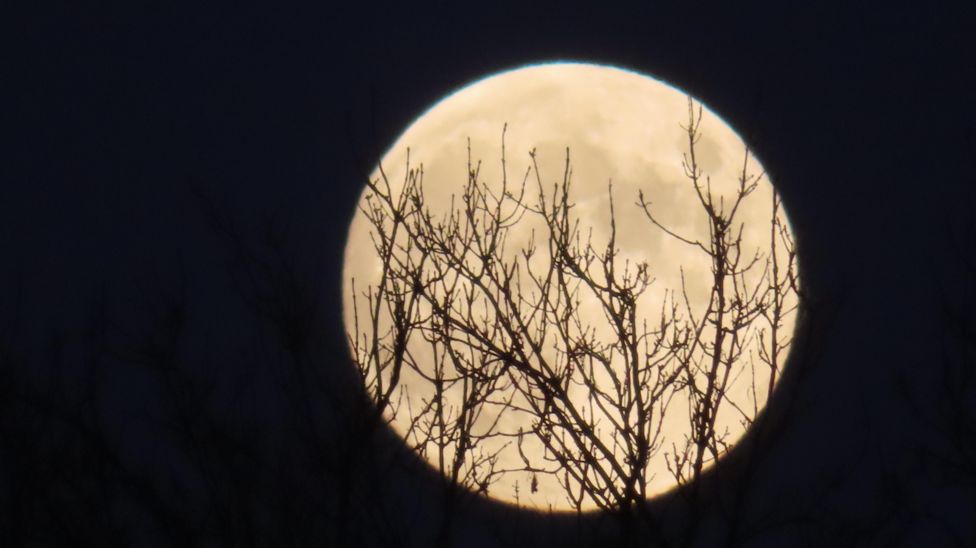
(625, 135)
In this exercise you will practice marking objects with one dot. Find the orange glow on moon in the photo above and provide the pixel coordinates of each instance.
(619, 126)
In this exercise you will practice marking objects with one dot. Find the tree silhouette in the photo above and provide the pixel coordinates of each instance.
(549, 360)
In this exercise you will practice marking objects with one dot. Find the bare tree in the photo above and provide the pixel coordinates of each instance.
(738, 310)
(540, 358)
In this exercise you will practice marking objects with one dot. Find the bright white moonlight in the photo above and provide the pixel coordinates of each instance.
(619, 126)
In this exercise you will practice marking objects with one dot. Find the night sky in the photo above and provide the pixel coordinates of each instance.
(175, 188)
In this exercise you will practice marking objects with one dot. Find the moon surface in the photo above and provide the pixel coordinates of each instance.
(618, 126)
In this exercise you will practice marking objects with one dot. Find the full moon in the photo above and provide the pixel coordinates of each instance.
(569, 286)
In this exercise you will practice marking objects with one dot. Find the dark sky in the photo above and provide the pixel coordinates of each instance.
(174, 193)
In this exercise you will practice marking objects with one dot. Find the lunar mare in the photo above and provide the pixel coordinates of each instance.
(619, 127)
